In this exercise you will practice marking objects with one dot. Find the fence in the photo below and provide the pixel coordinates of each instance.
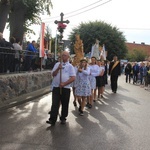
(16, 61)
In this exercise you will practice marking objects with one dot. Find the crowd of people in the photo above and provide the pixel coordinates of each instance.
(87, 80)
(14, 59)
(138, 73)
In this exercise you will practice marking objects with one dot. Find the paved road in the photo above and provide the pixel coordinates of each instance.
(120, 121)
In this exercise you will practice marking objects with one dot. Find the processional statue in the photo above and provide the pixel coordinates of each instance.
(78, 49)
(95, 51)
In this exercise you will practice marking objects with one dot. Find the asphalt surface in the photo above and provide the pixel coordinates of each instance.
(119, 121)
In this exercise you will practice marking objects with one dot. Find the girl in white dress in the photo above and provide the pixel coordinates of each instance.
(83, 88)
(100, 82)
(102, 79)
(94, 71)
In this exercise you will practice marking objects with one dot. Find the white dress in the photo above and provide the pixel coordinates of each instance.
(94, 71)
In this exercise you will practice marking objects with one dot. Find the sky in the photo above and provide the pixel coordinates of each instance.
(130, 16)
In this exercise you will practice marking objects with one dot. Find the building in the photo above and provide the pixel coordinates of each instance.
(143, 47)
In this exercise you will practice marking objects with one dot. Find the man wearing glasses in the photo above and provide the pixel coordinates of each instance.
(63, 74)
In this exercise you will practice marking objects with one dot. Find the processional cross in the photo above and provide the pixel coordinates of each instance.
(61, 27)
(61, 19)
(60, 23)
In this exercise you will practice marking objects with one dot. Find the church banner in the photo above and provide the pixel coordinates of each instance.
(41, 50)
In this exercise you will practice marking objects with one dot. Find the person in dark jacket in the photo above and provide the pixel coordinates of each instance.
(114, 72)
(135, 69)
(128, 70)
(30, 56)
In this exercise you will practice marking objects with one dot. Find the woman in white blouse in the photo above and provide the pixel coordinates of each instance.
(94, 71)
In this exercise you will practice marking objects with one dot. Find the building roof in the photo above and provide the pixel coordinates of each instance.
(143, 47)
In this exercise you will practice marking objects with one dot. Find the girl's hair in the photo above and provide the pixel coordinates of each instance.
(81, 61)
(94, 58)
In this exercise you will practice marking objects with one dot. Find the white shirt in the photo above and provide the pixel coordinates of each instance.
(67, 71)
(102, 68)
(94, 70)
(84, 74)
(17, 47)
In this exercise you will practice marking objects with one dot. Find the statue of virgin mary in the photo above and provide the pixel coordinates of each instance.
(95, 50)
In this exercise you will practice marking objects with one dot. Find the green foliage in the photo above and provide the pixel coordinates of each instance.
(33, 10)
(28, 12)
(136, 55)
(48, 33)
(110, 36)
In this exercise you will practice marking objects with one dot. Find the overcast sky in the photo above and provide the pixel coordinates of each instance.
(130, 16)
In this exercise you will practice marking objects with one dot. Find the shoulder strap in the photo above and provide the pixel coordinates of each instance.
(115, 64)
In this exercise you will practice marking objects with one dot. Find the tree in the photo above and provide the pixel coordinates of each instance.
(136, 55)
(4, 11)
(110, 36)
(24, 13)
(48, 36)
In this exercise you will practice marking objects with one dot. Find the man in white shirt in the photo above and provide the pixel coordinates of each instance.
(63, 74)
(17, 48)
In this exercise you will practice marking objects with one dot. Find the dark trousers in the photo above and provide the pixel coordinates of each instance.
(128, 76)
(147, 80)
(114, 79)
(57, 100)
(135, 77)
(141, 78)
(27, 65)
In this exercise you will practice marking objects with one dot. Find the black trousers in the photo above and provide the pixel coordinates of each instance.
(59, 98)
(114, 80)
(135, 77)
(27, 64)
(128, 76)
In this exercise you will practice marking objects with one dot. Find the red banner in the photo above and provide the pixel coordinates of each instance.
(41, 51)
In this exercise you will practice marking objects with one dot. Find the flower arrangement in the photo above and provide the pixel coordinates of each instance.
(61, 27)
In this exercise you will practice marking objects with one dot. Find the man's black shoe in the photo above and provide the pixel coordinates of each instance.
(50, 122)
(63, 122)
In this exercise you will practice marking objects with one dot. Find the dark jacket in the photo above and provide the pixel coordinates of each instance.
(117, 69)
(135, 69)
(128, 68)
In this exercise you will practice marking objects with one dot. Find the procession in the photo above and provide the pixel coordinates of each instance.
(85, 77)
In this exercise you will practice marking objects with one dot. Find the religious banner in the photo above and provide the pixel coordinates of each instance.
(42, 50)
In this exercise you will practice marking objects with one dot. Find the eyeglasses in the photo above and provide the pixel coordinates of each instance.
(64, 55)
